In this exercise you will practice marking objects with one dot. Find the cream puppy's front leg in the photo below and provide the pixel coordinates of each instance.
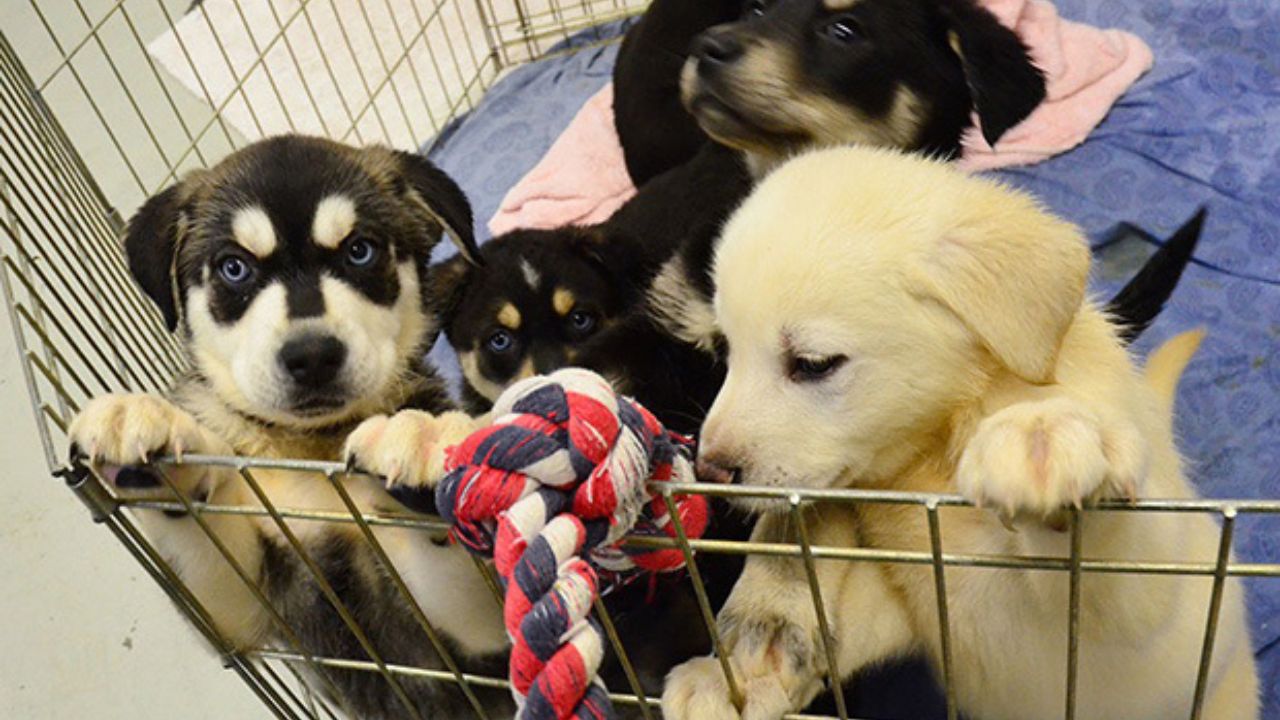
(1038, 457)
(120, 434)
(769, 628)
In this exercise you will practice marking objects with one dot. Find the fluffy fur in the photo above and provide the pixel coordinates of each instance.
(293, 274)
(932, 335)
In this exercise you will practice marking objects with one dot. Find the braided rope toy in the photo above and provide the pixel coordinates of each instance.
(548, 490)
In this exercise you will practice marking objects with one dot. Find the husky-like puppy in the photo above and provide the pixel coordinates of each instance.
(293, 273)
(928, 331)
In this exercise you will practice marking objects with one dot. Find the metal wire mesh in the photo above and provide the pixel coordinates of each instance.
(132, 82)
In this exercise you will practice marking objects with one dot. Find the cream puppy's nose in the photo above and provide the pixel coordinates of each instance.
(717, 462)
(710, 470)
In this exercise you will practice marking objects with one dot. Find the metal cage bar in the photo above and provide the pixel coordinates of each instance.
(819, 608)
(1074, 565)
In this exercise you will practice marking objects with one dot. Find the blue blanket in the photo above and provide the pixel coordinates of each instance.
(1203, 127)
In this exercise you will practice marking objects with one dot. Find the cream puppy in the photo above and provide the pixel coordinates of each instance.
(909, 327)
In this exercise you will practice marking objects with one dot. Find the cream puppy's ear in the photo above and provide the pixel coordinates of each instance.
(1014, 275)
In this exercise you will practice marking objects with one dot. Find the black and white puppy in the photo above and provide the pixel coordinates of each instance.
(293, 274)
(768, 77)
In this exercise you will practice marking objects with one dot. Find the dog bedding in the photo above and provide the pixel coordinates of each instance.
(1202, 127)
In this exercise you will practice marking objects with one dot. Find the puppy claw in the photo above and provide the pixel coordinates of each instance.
(1130, 491)
(1007, 521)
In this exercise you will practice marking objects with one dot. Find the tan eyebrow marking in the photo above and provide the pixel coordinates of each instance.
(839, 4)
(252, 229)
(563, 301)
(335, 219)
(509, 316)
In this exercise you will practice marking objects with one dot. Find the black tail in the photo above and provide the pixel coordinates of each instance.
(1136, 306)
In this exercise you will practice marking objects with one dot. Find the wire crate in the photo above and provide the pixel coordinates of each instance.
(93, 123)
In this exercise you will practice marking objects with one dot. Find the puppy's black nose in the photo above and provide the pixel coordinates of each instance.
(715, 48)
(313, 360)
(710, 469)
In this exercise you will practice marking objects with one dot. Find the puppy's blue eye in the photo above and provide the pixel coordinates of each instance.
(843, 30)
(582, 321)
(756, 8)
(361, 253)
(235, 269)
(500, 341)
(811, 369)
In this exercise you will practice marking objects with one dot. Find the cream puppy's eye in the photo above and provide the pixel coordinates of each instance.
(812, 368)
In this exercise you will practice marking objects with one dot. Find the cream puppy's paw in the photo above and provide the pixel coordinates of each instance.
(407, 450)
(697, 690)
(775, 663)
(1038, 457)
(123, 432)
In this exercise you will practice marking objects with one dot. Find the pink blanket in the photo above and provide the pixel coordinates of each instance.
(583, 179)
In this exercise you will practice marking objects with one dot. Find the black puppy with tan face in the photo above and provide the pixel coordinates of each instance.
(293, 273)
(768, 77)
(539, 297)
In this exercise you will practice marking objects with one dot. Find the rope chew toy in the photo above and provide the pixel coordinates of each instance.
(548, 490)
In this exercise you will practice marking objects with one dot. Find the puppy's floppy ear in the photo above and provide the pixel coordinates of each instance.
(617, 255)
(1003, 82)
(446, 285)
(1015, 279)
(150, 243)
(442, 199)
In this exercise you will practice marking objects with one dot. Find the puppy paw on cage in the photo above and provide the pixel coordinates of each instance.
(1040, 457)
(407, 450)
(696, 690)
(124, 432)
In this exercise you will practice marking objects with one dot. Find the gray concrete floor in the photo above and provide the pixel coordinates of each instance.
(85, 632)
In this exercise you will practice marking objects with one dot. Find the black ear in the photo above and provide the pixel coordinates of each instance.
(617, 255)
(443, 200)
(1005, 85)
(150, 242)
(446, 285)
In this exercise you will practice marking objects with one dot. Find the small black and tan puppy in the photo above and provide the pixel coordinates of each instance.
(543, 296)
(293, 273)
(539, 296)
(769, 76)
